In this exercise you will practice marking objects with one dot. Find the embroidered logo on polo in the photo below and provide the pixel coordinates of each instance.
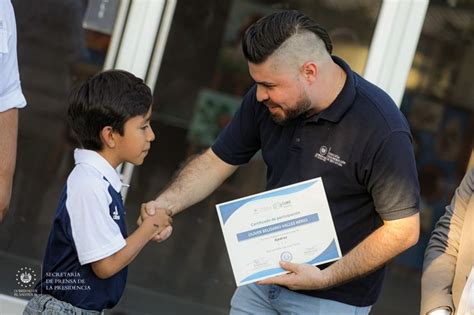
(326, 155)
(115, 214)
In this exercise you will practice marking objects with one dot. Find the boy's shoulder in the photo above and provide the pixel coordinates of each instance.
(86, 180)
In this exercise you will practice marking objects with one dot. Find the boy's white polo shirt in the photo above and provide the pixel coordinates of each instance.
(11, 95)
(96, 235)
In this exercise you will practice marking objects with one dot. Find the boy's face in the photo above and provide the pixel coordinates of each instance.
(135, 143)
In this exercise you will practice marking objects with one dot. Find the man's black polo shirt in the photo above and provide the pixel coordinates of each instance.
(360, 146)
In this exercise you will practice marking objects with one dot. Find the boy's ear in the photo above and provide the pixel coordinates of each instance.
(107, 135)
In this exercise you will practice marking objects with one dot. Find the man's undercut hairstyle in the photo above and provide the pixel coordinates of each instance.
(109, 98)
(268, 34)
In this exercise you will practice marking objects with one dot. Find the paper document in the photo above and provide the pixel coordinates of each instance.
(291, 223)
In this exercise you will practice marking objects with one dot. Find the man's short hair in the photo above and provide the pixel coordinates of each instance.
(267, 34)
(109, 98)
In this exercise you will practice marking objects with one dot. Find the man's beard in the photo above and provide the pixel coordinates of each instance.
(302, 106)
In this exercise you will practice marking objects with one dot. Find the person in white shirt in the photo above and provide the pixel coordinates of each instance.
(11, 99)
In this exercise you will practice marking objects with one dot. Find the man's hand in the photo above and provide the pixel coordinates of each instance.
(150, 209)
(379, 247)
(301, 277)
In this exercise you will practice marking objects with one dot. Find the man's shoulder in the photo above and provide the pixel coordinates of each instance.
(371, 101)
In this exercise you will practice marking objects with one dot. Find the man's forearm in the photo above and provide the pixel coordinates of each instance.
(8, 143)
(195, 181)
(379, 247)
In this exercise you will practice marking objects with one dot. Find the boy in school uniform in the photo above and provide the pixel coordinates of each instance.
(85, 264)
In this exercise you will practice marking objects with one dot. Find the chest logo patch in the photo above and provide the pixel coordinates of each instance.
(115, 214)
(326, 155)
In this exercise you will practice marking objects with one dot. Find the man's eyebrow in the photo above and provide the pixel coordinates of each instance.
(264, 83)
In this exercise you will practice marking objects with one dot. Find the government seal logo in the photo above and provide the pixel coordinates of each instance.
(323, 150)
(286, 256)
(25, 277)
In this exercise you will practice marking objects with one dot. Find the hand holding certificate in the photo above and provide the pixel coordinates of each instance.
(291, 223)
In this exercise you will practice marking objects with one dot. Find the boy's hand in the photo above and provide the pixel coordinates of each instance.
(159, 222)
(150, 209)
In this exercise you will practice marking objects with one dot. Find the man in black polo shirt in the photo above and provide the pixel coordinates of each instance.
(312, 116)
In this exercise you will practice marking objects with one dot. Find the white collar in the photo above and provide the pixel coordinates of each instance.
(94, 159)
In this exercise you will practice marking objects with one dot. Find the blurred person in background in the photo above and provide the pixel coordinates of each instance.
(447, 284)
(11, 98)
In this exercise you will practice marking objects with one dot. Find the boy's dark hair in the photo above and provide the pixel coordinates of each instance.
(267, 34)
(108, 98)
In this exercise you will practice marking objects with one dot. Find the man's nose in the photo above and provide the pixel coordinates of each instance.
(262, 94)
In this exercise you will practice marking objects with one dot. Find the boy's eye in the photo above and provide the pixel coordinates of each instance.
(144, 127)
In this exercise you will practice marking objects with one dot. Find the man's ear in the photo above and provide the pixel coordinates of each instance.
(108, 136)
(310, 70)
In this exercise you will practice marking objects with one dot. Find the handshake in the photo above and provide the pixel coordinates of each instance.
(159, 218)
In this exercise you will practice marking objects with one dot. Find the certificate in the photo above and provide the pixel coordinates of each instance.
(291, 223)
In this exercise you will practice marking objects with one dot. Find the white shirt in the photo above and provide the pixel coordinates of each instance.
(11, 95)
(96, 235)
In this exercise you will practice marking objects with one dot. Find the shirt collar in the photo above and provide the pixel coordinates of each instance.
(344, 99)
(94, 159)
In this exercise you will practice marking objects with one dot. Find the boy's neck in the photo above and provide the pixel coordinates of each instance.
(110, 157)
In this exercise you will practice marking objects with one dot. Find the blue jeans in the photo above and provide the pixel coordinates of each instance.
(272, 299)
(46, 304)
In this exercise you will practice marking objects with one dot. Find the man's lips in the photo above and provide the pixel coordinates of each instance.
(273, 109)
(271, 106)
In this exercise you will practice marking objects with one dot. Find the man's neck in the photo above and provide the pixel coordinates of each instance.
(332, 83)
